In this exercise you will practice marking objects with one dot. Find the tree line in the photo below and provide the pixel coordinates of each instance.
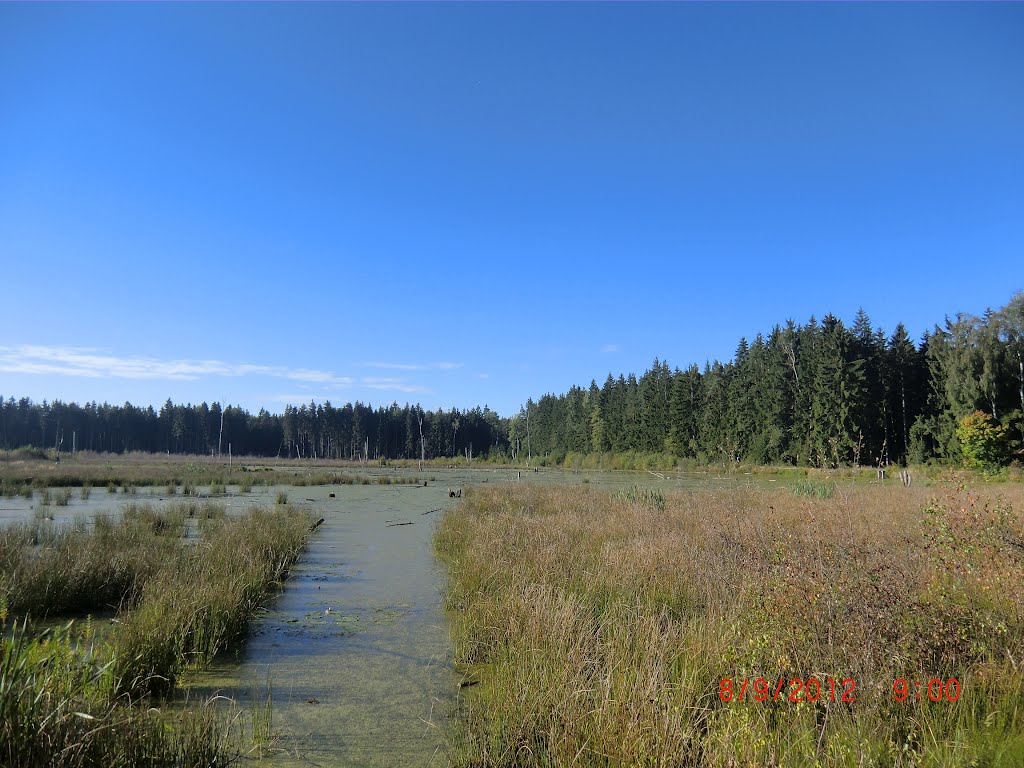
(353, 431)
(819, 394)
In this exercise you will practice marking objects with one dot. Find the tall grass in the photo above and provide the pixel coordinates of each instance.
(53, 570)
(601, 629)
(206, 601)
(67, 700)
(262, 716)
(59, 707)
(819, 489)
(648, 497)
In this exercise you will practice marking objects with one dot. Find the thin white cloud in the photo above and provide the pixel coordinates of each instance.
(483, 375)
(319, 377)
(609, 349)
(440, 366)
(91, 363)
(297, 400)
(388, 384)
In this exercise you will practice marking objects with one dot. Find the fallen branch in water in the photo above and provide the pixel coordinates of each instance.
(392, 525)
(429, 511)
(316, 525)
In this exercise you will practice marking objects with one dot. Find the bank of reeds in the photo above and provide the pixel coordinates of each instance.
(207, 600)
(50, 570)
(183, 591)
(601, 629)
(59, 707)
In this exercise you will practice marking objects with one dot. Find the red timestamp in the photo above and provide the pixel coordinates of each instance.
(796, 689)
(934, 689)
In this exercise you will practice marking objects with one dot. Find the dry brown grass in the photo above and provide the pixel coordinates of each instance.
(601, 629)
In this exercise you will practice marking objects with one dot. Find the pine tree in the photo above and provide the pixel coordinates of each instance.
(742, 414)
(712, 430)
(831, 440)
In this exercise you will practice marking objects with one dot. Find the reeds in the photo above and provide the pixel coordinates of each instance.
(207, 598)
(50, 570)
(601, 628)
(67, 700)
(818, 489)
(648, 497)
(58, 707)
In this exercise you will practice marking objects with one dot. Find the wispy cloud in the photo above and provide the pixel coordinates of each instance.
(609, 349)
(86, 362)
(319, 377)
(440, 366)
(392, 385)
(297, 399)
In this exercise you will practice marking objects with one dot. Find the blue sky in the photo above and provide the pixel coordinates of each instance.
(473, 204)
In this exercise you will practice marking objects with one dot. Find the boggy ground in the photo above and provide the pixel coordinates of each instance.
(601, 626)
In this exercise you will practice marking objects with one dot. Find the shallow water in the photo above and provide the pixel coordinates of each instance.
(356, 646)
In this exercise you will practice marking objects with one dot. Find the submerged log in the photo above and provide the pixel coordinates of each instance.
(316, 525)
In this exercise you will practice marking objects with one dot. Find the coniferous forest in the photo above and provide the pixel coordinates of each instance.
(821, 393)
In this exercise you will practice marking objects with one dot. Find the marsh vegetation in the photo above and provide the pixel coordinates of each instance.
(126, 474)
(600, 627)
(171, 587)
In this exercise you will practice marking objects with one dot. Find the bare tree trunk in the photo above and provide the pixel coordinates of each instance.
(423, 456)
(903, 397)
(1020, 362)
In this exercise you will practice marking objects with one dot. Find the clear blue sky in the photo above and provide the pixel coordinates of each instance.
(473, 204)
